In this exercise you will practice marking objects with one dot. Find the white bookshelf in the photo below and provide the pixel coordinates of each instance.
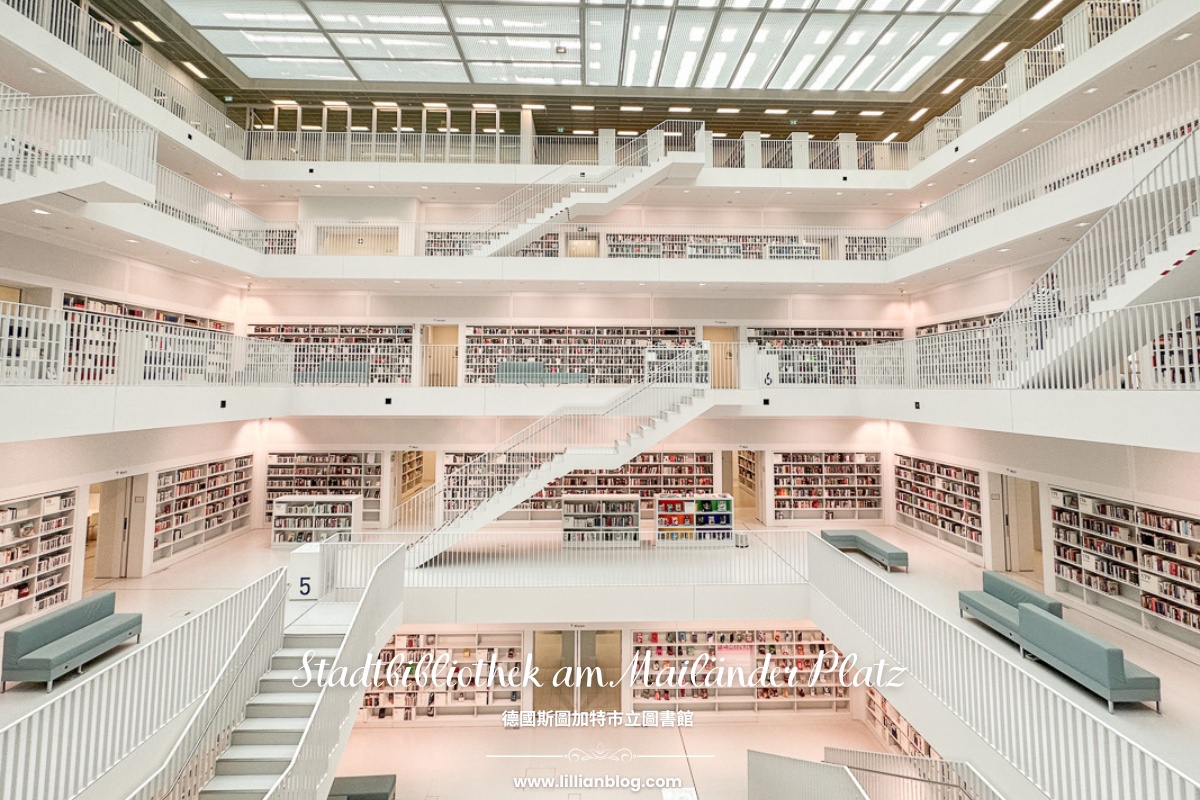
(197, 503)
(385, 705)
(1136, 561)
(699, 520)
(412, 469)
(384, 353)
(36, 535)
(747, 470)
(941, 500)
(117, 308)
(601, 520)
(801, 251)
(748, 648)
(825, 485)
(322, 473)
(818, 355)
(893, 729)
(620, 249)
(303, 518)
(714, 249)
(961, 324)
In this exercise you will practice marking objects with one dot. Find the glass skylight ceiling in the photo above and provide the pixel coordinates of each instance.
(786, 45)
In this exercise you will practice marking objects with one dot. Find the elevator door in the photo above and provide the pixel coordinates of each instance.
(594, 660)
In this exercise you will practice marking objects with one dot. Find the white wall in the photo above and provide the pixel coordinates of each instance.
(359, 208)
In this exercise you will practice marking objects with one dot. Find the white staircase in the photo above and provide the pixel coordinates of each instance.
(675, 391)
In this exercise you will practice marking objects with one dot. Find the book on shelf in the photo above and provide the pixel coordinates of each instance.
(36, 534)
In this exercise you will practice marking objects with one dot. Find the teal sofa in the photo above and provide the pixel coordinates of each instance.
(1089, 661)
(996, 605)
(870, 545)
(52, 645)
(534, 372)
(367, 787)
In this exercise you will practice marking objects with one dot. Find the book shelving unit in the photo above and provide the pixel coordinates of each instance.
(609, 355)
(1176, 355)
(601, 520)
(303, 518)
(785, 647)
(200, 502)
(1139, 562)
(818, 355)
(36, 534)
(963, 324)
(893, 729)
(324, 473)
(747, 470)
(709, 245)
(383, 352)
(79, 302)
(941, 500)
(699, 520)
(384, 705)
(412, 469)
(825, 485)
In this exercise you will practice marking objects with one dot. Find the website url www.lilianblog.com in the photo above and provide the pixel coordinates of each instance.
(576, 781)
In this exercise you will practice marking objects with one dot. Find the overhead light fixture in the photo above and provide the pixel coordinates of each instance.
(1004, 249)
(41, 71)
(284, 103)
(385, 104)
(890, 137)
(316, 186)
(1181, 37)
(776, 111)
(918, 115)
(483, 105)
(680, 110)
(1082, 224)
(1046, 9)
(533, 106)
(972, 160)
(870, 113)
(434, 105)
(729, 111)
(41, 211)
(310, 127)
(584, 133)
(631, 108)
(583, 108)
(719, 135)
(133, 241)
(995, 51)
(1092, 90)
(824, 112)
(141, 26)
(359, 128)
(627, 133)
(334, 103)
(192, 68)
(954, 84)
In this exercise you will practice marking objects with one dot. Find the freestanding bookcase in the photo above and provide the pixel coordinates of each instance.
(302, 518)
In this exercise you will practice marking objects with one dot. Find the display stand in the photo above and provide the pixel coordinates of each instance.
(601, 520)
(700, 520)
(302, 519)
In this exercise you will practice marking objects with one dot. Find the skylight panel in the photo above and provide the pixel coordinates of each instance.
(294, 69)
(644, 42)
(270, 43)
(380, 17)
(767, 49)
(248, 14)
(974, 6)
(519, 48)
(883, 5)
(808, 49)
(526, 73)
(935, 44)
(844, 59)
(412, 71)
(689, 33)
(514, 20)
(840, 5)
(396, 45)
(888, 50)
(601, 54)
(729, 40)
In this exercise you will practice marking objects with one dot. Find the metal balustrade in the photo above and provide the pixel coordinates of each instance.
(1065, 750)
(58, 750)
(775, 777)
(898, 777)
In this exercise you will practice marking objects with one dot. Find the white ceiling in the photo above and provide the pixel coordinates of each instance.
(781, 45)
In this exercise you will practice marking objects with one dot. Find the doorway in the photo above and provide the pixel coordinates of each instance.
(1022, 525)
(440, 355)
(726, 355)
(585, 652)
(110, 516)
(583, 245)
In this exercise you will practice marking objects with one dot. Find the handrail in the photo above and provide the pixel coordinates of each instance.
(57, 750)
(193, 758)
(959, 776)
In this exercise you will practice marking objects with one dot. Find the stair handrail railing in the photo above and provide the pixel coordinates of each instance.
(957, 776)
(572, 426)
(192, 761)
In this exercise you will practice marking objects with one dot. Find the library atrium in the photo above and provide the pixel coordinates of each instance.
(580, 399)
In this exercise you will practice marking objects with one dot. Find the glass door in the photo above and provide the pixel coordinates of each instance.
(585, 652)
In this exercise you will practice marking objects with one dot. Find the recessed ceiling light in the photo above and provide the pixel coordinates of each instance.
(1092, 90)
(583, 108)
(824, 112)
(141, 26)
(922, 112)
(41, 211)
(133, 241)
(1004, 249)
(310, 127)
(533, 106)
(776, 111)
(335, 103)
(385, 104)
(717, 135)
(870, 113)
(641, 284)
(687, 191)
(631, 108)
(285, 102)
(424, 187)
(434, 105)
(678, 110)
(1082, 224)
(1181, 37)
(729, 111)
(316, 186)
(584, 132)
(1046, 9)
(839, 194)
(458, 281)
(787, 192)
(41, 71)
(483, 105)
(890, 137)
(972, 160)
(193, 261)
(929, 184)
(1024, 130)
(627, 133)
(737, 191)
(478, 188)
(370, 186)
(889, 194)
(192, 68)
(995, 51)
(704, 284)
(395, 281)
(764, 135)
(954, 84)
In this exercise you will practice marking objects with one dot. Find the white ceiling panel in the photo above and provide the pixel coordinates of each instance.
(602, 55)
(512, 19)
(380, 17)
(294, 69)
(644, 42)
(729, 39)
(248, 14)
(412, 71)
(397, 45)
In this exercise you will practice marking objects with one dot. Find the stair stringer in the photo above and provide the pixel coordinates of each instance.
(1136, 284)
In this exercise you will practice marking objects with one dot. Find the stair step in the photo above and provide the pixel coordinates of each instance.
(269, 730)
(238, 787)
(282, 704)
(293, 657)
(255, 759)
(281, 680)
(312, 641)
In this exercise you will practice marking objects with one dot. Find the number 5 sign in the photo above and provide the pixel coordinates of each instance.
(304, 573)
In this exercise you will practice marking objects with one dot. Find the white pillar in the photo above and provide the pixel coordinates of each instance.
(970, 108)
(704, 144)
(848, 150)
(607, 146)
(528, 135)
(656, 146)
(799, 142)
(752, 149)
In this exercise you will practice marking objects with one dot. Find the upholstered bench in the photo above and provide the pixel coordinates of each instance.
(1089, 661)
(996, 605)
(367, 787)
(50, 646)
(870, 545)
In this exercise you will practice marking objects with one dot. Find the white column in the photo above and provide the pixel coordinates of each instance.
(607, 146)
(528, 134)
(1014, 70)
(970, 108)
(704, 144)
(848, 150)
(799, 142)
(656, 146)
(752, 149)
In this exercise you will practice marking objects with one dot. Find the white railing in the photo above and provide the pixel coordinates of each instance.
(378, 599)
(438, 365)
(669, 380)
(75, 27)
(382, 147)
(775, 777)
(192, 761)
(824, 155)
(31, 344)
(45, 133)
(56, 751)
(190, 202)
(1045, 735)
(897, 777)
(353, 363)
(566, 150)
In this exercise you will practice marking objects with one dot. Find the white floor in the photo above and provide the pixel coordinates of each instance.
(459, 763)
